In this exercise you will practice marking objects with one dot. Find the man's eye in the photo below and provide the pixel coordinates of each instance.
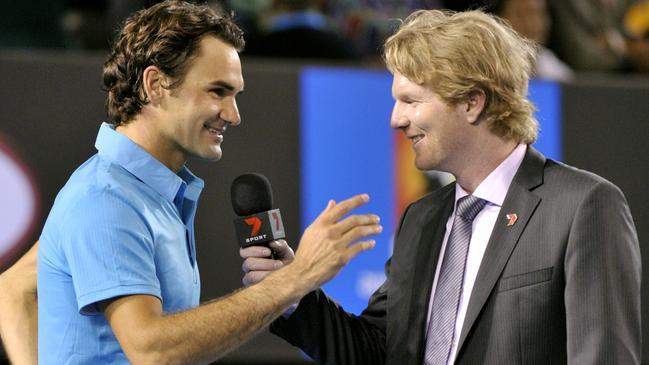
(218, 91)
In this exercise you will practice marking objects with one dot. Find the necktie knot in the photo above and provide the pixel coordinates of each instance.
(469, 206)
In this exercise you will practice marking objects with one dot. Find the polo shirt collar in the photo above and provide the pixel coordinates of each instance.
(126, 153)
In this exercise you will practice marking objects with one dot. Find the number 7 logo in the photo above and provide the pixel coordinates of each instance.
(255, 222)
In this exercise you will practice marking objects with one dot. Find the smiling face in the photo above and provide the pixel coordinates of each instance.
(437, 130)
(194, 115)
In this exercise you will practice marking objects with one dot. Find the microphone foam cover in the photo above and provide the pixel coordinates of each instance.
(251, 194)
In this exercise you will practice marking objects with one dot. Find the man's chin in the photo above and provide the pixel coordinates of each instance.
(212, 156)
(429, 166)
(423, 165)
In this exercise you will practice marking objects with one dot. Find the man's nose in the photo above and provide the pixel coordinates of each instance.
(230, 113)
(398, 119)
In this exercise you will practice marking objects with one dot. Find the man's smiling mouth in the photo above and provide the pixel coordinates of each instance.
(214, 130)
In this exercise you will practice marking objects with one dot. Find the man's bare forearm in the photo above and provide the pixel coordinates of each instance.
(245, 313)
(19, 310)
(208, 332)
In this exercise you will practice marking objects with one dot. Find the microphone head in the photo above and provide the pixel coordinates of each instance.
(251, 194)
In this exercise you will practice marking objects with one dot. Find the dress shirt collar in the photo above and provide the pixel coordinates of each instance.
(494, 187)
(126, 153)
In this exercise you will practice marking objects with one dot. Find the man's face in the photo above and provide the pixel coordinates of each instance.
(197, 112)
(435, 129)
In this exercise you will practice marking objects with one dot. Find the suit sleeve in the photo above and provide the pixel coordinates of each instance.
(330, 335)
(602, 273)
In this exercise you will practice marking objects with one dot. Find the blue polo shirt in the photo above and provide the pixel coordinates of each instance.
(123, 224)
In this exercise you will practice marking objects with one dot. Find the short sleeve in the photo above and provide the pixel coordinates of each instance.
(109, 249)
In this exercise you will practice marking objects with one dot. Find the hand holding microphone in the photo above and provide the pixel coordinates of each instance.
(327, 245)
(259, 228)
(257, 264)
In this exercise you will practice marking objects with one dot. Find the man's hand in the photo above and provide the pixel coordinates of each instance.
(326, 246)
(257, 263)
(328, 243)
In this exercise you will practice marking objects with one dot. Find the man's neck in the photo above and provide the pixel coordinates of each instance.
(145, 134)
(483, 158)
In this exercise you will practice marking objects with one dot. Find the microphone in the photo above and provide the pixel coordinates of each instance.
(252, 200)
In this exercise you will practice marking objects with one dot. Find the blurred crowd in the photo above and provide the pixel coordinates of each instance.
(573, 35)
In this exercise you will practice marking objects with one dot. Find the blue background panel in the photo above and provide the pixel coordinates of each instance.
(346, 145)
(546, 96)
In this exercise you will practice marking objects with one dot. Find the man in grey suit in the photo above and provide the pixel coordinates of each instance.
(522, 260)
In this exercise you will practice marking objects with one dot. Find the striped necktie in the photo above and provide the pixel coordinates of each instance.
(441, 328)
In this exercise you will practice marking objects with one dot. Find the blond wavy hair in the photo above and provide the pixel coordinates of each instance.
(460, 53)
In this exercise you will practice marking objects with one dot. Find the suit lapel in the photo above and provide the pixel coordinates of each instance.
(521, 201)
(432, 226)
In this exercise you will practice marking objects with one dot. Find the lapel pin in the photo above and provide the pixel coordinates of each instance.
(512, 217)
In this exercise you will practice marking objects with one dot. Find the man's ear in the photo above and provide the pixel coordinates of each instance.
(153, 81)
(474, 105)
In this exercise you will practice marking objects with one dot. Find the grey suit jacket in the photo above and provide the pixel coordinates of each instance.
(560, 286)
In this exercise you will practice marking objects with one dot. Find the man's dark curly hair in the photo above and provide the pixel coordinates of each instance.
(166, 35)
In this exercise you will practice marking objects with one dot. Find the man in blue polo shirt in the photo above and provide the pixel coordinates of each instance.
(114, 231)
(117, 275)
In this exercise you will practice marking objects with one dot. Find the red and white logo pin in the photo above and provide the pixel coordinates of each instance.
(512, 218)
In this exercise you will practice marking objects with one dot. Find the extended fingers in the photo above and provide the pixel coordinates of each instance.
(335, 211)
(353, 221)
(357, 248)
(359, 232)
